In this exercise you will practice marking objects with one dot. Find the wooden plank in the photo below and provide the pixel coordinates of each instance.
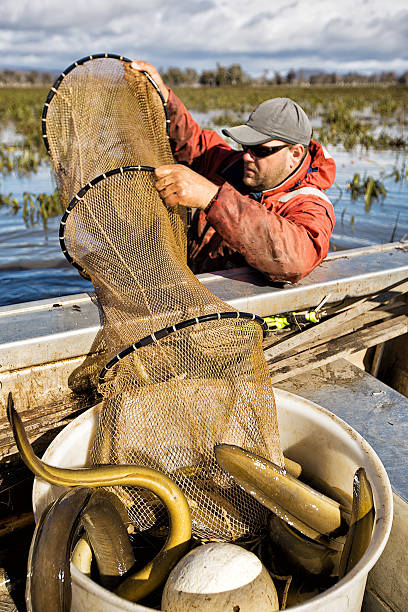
(315, 334)
(41, 431)
(339, 347)
(14, 522)
(367, 319)
(41, 419)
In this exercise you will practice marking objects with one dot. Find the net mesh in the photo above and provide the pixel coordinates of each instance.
(103, 117)
(166, 404)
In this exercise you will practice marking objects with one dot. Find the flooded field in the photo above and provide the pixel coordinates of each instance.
(368, 143)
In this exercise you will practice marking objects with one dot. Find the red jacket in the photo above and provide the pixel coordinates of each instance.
(284, 235)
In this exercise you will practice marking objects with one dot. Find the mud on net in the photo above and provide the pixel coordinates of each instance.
(186, 371)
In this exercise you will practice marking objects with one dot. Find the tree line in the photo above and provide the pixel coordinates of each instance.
(222, 76)
(25, 78)
(234, 75)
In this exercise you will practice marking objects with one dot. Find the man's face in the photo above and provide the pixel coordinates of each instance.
(261, 173)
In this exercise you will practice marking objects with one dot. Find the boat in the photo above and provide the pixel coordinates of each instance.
(352, 362)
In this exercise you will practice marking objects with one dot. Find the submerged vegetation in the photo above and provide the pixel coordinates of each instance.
(372, 117)
(35, 207)
(369, 188)
(20, 112)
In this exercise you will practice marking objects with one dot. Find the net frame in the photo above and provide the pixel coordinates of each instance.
(166, 331)
(198, 295)
(124, 375)
(78, 197)
(181, 215)
(78, 63)
(217, 502)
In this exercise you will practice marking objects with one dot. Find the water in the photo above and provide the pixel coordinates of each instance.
(387, 219)
(32, 266)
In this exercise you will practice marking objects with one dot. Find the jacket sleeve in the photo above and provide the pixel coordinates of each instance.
(203, 150)
(285, 246)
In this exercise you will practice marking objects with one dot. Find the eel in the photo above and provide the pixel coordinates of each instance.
(361, 523)
(309, 511)
(48, 586)
(311, 556)
(146, 580)
(292, 467)
(104, 520)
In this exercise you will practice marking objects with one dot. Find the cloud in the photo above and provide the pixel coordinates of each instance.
(388, 34)
(261, 35)
(48, 15)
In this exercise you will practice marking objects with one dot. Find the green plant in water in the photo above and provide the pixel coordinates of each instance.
(396, 175)
(370, 189)
(21, 160)
(347, 116)
(11, 202)
(35, 208)
(6, 161)
(227, 118)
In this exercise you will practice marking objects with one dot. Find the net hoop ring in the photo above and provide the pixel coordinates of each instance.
(78, 63)
(166, 331)
(78, 197)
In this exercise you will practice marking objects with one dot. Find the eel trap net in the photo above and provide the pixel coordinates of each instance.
(186, 371)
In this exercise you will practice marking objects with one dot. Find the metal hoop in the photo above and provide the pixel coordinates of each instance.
(78, 197)
(79, 62)
(166, 331)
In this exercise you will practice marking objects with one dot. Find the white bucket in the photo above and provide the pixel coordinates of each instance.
(325, 445)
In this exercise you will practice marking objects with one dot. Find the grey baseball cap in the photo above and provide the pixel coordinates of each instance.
(275, 119)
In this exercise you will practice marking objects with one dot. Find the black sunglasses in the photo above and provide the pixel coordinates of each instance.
(259, 151)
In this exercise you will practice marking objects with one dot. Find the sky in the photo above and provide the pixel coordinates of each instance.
(367, 36)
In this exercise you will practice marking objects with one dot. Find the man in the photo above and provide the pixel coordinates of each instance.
(265, 205)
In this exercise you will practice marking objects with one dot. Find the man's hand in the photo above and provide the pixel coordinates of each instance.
(139, 66)
(178, 185)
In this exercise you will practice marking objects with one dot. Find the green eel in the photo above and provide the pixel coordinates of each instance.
(361, 523)
(48, 586)
(104, 520)
(309, 511)
(301, 553)
(146, 580)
